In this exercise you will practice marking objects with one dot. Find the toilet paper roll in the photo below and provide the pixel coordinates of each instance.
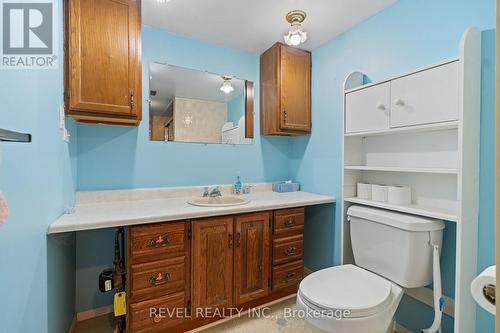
(485, 279)
(364, 191)
(379, 193)
(399, 195)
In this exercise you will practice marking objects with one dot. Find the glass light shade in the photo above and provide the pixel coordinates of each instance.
(295, 36)
(226, 87)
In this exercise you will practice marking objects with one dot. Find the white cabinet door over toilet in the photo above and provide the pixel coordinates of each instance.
(368, 109)
(425, 97)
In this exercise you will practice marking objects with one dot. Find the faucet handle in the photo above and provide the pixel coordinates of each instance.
(206, 191)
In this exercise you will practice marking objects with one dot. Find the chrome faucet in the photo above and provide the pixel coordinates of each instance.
(215, 192)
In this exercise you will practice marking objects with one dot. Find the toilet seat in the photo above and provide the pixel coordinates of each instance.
(346, 287)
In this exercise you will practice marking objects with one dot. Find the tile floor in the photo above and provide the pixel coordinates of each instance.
(274, 322)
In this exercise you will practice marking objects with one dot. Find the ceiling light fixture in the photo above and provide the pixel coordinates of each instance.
(227, 87)
(296, 35)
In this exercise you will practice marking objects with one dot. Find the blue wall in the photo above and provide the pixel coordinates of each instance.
(408, 35)
(111, 157)
(36, 294)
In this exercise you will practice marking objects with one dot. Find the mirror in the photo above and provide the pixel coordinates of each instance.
(187, 105)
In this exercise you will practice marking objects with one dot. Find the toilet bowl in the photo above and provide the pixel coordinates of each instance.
(391, 251)
(348, 298)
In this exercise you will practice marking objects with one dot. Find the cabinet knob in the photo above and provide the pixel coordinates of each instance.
(380, 106)
(399, 102)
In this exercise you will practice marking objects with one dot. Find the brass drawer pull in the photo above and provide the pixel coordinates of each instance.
(162, 240)
(290, 223)
(159, 279)
(290, 276)
(290, 251)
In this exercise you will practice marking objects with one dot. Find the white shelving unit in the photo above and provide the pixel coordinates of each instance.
(421, 129)
(401, 169)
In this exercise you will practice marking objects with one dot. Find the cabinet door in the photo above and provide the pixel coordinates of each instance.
(104, 56)
(251, 257)
(295, 110)
(425, 97)
(212, 269)
(368, 109)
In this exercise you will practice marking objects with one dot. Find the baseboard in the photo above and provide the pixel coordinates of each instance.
(73, 324)
(397, 328)
(425, 295)
(89, 314)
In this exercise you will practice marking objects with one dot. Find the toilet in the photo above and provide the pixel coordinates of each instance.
(391, 251)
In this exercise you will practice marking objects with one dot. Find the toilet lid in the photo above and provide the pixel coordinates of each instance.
(346, 287)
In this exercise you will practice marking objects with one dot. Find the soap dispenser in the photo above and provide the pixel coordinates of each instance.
(237, 185)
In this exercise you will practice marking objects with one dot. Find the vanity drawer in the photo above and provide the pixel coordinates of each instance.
(153, 315)
(288, 274)
(288, 220)
(288, 249)
(157, 278)
(163, 239)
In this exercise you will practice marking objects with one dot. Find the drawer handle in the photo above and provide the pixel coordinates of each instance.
(159, 279)
(289, 223)
(162, 240)
(230, 240)
(157, 318)
(290, 251)
(290, 276)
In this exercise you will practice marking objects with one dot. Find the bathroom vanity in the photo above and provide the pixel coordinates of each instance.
(218, 262)
(189, 258)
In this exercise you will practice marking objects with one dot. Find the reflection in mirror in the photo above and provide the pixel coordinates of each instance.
(188, 105)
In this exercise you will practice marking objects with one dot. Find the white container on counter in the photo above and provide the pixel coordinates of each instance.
(399, 195)
(364, 191)
(379, 193)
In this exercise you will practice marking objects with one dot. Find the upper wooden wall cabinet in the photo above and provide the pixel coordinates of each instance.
(103, 61)
(285, 91)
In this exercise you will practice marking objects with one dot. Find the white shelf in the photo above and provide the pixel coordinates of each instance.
(409, 129)
(437, 213)
(401, 169)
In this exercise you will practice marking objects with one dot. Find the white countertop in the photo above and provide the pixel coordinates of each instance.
(125, 211)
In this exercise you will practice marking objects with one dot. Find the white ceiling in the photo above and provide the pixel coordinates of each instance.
(254, 25)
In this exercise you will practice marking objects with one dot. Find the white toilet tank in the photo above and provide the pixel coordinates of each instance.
(394, 245)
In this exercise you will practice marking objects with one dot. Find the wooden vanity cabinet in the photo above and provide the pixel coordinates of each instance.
(103, 61)
(213, 262)
(285, 91)
(251, 257)
(240, 261)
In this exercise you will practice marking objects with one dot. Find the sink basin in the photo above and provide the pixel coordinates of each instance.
(223, 201)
